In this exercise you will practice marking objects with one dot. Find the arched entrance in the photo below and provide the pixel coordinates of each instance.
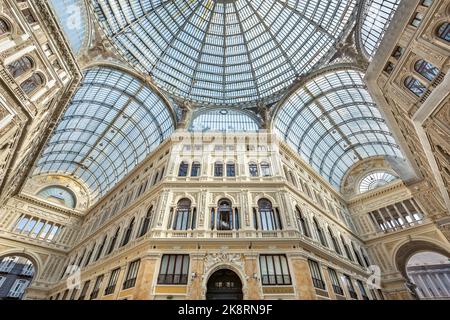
(425, 267)
(224, 284)
(16, 275)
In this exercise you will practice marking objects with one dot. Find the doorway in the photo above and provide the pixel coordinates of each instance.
(224, 285)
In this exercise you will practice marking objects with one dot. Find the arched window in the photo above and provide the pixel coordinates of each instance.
(303, 224)
(231, 169)
(20, 66)
(146, 223)
(100, 249)
(16, 274)
(183, 217)
(375, 180)
(59, 195)
(426, 69)
(218, 169)
(227, 218)
(112, 244)
(127, 235)
(155, 178)
(4, 27)
(320, 233)
(253, 169)
(293, 180)
(265, 169)
(347, 249)
(336, 246)
(268, 218)
(415, 86)
(183, 171)
(443, 31)
(35, 81)
(357, 255)
(195, 170)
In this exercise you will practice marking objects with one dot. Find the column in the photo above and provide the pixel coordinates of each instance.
(408, 212)
(195, 290)
(393, 221)
(254, 286)
(384, 220)
(374, 222)
(301, 277)
(146, 275)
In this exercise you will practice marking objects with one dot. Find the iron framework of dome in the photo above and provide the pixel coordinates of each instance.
(111, 124)
(224, 52)
(333, 123)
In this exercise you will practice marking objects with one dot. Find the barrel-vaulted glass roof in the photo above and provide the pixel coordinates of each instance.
(71, 15)
(333, 123)
(224, 120)
(112, 122)
(224, 52)
(376, 17)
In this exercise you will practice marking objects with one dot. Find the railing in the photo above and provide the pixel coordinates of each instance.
(220, 234)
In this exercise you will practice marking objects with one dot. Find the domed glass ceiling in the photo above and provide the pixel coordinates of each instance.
(224, 52)
(111, 124)
(333, 123)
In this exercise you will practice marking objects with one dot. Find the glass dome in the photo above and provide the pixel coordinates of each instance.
(224, 52)
(112, 123)
(375, 180)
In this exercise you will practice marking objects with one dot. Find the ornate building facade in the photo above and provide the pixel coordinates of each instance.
(223, 149)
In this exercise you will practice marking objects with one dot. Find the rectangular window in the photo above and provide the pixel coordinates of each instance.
(335, 282)
(417, 19)
(84, 290)
(132, 273)
(316, 275)
(73, 295)
(22, 223)
(274, 270)
(231, 170)
(95, 290)
(350, 287)
(18, 288)
(2, 280)
(112, 281)
(218, 170)
(362, 290)
(174, 269)
(195, 170)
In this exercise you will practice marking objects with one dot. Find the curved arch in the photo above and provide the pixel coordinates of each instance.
(407, 249)
(34, 258)
(227, 266)
(224, 120)
(48, 191)
(113, 122)
(329, 116)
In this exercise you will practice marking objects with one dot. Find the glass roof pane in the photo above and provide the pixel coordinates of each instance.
(224, 52)
(376, 18)
(111, 124)
(224, 120)
(71, 15)
(333, 122)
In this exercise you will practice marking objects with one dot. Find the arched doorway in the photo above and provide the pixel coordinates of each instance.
(224, 284)
(429, 272)
(425, 266)
(16, 275)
